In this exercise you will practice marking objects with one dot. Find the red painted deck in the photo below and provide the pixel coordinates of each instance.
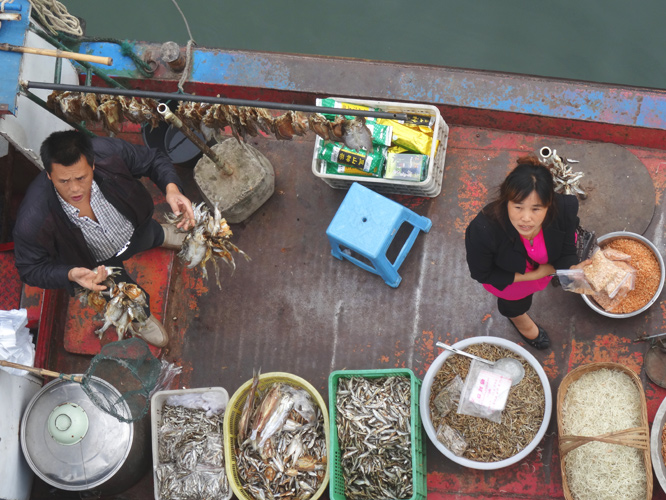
(295, 308)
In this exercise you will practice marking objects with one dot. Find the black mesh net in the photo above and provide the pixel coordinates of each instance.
(133, 371)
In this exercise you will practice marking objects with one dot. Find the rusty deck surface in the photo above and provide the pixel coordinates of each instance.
(294, 308)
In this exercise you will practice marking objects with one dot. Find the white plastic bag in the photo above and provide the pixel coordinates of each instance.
(16, 343)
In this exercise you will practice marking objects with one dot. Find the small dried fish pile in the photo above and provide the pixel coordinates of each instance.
(489, 441)
(127, 304)
(281, 444)
(107, 109)
(374, 435)
(191, 455)
(208, 238)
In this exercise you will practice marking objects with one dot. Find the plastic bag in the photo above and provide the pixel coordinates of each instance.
(212, 401)
(605, 275)
(16, 343)
(452, 439)
(168, 372)
(449, 397)
(485, 392)
(573, 280)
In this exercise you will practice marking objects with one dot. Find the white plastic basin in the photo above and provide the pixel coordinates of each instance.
(425, 402)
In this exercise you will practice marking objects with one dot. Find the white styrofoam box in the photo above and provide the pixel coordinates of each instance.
(157, 402)
(430, 187)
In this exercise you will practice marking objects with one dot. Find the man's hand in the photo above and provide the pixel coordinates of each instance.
(88, 278)
(180, 204)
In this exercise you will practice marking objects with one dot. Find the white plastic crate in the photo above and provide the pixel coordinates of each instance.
(430, 187)
(157, 402)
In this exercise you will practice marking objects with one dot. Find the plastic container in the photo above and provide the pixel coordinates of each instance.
(430, 187)
(232, 416)
(607, 238)
(425, 403)
(157, 402)
(419, 472)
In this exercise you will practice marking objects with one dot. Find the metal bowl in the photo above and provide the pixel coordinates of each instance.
(424, 400)
(625, 234)
(655, 445)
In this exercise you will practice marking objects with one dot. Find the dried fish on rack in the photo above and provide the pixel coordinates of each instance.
(126, 304)
(284, 454)
(374, 436)
(106, 109)
(191, 455)
(209, 237)
(210, 119)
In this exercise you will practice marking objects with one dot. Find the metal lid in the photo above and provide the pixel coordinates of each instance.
(90, 456)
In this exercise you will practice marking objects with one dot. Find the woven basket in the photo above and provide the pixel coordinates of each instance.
(638, 437)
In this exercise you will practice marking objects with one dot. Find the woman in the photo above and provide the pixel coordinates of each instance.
(517, 242)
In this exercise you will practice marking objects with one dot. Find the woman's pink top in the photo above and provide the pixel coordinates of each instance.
(516, 291)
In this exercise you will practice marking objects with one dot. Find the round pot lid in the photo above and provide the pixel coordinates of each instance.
(69, 442)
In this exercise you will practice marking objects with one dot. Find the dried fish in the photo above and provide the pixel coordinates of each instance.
(521, 419)
(191, 455)
(127, 305)
(566, 180)
(373, 420)
(285, 454)
(209, 237)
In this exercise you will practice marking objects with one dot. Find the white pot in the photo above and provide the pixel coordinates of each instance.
(425, 402)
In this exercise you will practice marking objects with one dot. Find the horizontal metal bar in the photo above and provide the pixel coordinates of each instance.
(412, 118)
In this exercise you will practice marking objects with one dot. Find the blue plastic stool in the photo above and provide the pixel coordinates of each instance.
(366, 223)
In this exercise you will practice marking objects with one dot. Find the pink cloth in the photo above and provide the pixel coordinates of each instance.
(516, 291)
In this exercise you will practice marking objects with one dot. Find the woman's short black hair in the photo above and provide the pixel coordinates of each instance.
(65, 148)
(529, 176)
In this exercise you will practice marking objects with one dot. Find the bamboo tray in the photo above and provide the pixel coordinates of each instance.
(638, 437)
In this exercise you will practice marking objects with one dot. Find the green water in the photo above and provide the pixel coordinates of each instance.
(610, 41)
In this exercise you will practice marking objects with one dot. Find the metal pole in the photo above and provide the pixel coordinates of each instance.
(411, 118)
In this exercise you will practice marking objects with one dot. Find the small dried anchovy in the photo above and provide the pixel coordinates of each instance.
(374, 434)
(191, 455)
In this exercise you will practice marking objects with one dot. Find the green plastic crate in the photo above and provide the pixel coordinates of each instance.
(419, 474)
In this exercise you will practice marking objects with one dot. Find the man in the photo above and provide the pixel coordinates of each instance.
(88, 210)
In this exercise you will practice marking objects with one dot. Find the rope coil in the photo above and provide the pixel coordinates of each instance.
(54, 16)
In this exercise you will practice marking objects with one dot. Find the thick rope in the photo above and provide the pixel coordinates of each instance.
(188, 60)
(54, 16)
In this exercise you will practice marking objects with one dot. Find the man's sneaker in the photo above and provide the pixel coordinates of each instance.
(173, 240)
(154, 333)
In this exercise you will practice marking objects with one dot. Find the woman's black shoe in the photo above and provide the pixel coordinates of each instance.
(540, 342)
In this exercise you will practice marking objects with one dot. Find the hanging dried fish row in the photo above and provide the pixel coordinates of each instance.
(126, 304)
(374, 435)
(208, 118)
(208, 238)
(108, 110)
(281, 446)
(191, 455)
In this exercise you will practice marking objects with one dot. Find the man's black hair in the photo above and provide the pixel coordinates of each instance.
(65, 148)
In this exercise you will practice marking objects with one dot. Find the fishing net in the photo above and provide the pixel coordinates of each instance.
(134, 372)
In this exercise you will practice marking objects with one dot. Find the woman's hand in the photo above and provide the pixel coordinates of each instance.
(540, 272)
